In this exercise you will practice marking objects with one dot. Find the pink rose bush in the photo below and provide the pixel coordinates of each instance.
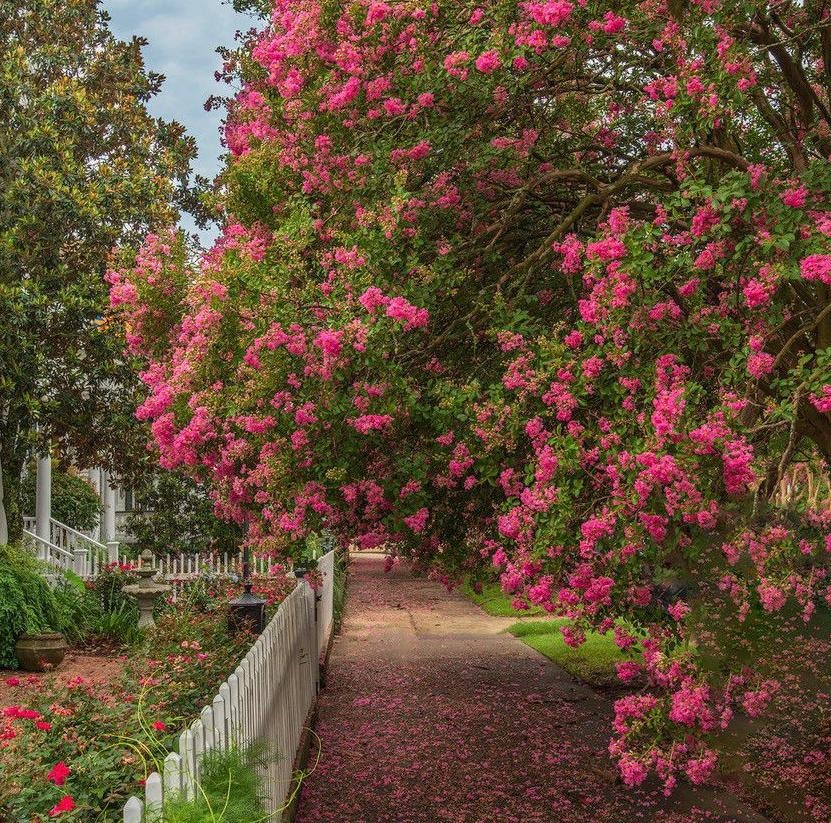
(467, 308)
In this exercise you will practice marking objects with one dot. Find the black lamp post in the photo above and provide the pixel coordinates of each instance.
(246, 611)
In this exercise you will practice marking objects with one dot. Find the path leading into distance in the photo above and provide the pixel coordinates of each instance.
(433, 713)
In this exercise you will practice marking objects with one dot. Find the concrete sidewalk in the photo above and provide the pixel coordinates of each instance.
(432, 713)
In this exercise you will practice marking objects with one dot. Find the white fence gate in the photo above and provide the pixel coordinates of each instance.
(267, 699)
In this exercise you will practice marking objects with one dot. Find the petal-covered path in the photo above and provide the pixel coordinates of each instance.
(432, 713)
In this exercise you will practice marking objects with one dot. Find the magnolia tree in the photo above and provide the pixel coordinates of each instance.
(536, 285)
(83, 167)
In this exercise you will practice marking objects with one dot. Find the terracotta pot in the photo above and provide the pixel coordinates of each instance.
(36, 652)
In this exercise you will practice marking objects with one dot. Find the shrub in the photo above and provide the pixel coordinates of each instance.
(110, 582)
(74, 501)
(120, 625)
(176, 515)
(27, 604)
(229, 790)
(579, 354)
(78, 608)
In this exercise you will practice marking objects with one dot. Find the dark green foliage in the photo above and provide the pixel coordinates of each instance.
(229, 791)
(27, 604)
(78, 608)
(117, 618)
(339, 587)
(109, 583)
(119, 625)
(315, 546)
(74, 501)
(177, 516)
(84, 168)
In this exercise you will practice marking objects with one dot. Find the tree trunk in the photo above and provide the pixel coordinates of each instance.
(11, 519)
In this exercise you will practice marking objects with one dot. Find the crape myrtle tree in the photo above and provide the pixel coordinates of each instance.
(83, 168)
(537, 285)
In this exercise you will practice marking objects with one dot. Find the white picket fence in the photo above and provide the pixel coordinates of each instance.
(267, 699)
(188, 566)
(70, 550)
(326, 601)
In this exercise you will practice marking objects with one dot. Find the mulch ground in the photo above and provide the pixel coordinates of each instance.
(94, 668)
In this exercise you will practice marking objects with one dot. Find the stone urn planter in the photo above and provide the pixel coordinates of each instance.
(39, 652)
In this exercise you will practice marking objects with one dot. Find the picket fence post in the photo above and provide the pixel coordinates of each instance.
(267, 698)
(134, 811)
(172, 776)
(153, 798)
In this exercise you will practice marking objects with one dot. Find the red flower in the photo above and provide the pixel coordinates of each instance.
(159, 726)
(12, 681)
(44, 725)
(22, 714)
(60, 771)
(65, 804)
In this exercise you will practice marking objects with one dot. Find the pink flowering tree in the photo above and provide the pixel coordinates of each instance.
(536, 285)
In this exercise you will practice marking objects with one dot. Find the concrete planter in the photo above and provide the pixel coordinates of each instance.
(37, 652)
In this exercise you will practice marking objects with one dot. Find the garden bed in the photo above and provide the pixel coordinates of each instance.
(78, 742)
(98, 669)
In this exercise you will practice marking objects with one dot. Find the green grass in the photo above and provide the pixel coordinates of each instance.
(593, 662)
(495, 602)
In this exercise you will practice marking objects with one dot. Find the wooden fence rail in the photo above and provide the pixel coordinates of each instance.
(267, 699)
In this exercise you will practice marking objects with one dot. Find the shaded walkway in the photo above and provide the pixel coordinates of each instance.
(432, 714)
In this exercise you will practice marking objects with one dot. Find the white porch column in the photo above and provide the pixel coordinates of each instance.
(94, 477)
(43, 498)
(108, 506)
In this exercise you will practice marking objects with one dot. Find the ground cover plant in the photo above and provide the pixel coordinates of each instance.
(491, 599)
(542, 286)
(228, 792)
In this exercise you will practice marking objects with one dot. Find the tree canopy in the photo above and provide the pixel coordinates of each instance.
(539, 285)
(83, 168)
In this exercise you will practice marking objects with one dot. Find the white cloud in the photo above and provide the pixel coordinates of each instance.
(183, 36)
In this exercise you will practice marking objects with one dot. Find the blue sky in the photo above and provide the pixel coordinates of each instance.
(183, 37)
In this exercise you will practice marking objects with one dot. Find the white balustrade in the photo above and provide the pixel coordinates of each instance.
(66, 548)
